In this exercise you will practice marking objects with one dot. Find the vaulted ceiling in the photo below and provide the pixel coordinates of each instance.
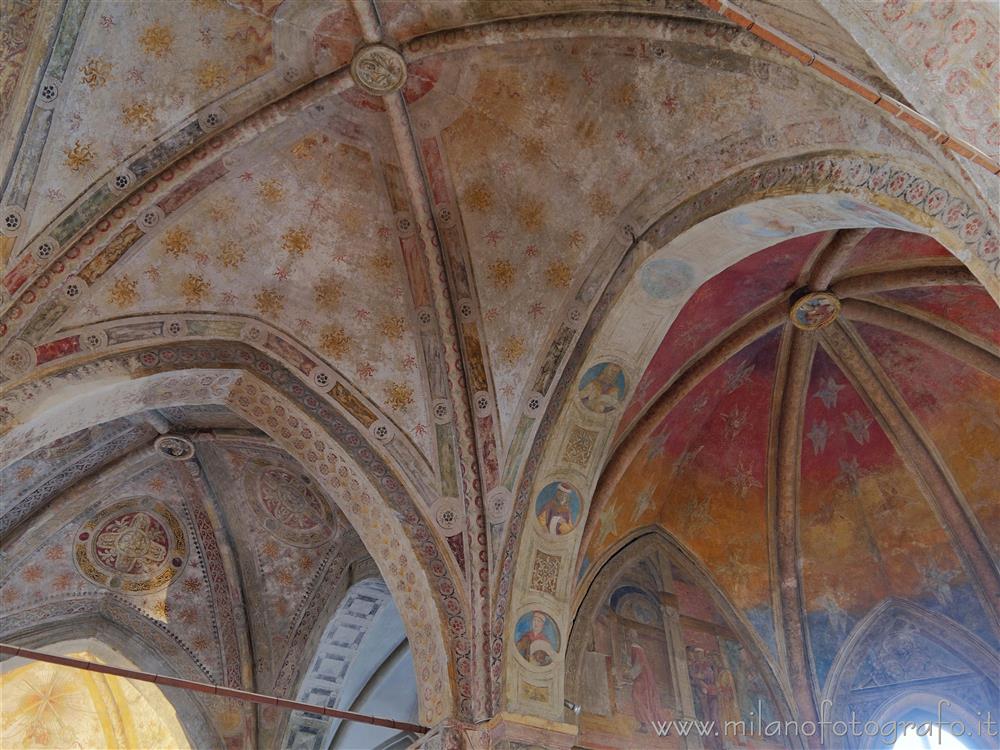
(563, 254)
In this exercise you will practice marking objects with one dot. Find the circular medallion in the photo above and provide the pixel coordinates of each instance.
(557, 508)
(814, 311)
(134, 546)
(291, 508)
(378, 69)
(175, 447)
(602, 387)
(18, 359)
(536, 637)
(665, 278)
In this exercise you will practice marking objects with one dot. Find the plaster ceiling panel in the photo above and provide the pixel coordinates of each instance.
(299, 231)
(138, 70)
(959, 408)
(19, 23)
(943, 57)
(22, 50)
(27, 484)
(718, 304)
(548, 143)
(133, 550)
(21, 474)
(702, 477)
(882, 246)
(288, 533)
(411, 18)
(866, 530)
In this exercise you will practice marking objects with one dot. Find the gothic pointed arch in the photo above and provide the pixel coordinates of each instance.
(902, 657)
(591, 447)
(654, 641)
(316, 436)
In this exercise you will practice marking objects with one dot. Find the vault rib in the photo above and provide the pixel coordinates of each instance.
(832, 257)
(967, 348)
(792, 384)
(882, 281)
(419, 196)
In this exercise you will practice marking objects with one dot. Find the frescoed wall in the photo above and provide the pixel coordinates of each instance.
(865, 510)
(50, 706)
(650, 645)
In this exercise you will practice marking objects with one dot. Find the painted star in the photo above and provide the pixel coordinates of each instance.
(698, 515)
(642, 502)
(743, 479)
(609, 522)
(829, 392)
(857, 424)
(739, 376)
(684, 461)
(657, 446)
(818, 434)
(734, 422)
(850, 472)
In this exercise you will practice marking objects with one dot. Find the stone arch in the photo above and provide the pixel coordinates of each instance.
(374, 498)
(820, 191)
(133, 636)
(652, 555)
(899, 656)
(332, 677)
(278, 346)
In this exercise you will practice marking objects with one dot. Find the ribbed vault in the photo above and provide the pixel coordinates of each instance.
(400, 248)
(815, 450)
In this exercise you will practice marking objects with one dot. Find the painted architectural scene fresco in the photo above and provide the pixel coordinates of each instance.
(657, 649)
(464, 375)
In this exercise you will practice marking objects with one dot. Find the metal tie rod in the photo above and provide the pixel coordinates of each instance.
(204, 687)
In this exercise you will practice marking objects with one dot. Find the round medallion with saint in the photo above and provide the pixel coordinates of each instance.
(290, 507)
(134, 546)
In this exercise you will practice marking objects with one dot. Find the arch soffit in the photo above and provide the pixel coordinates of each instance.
(278, 347)
(359, 571)
(317, 663)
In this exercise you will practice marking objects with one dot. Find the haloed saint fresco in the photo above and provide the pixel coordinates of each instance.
(602, 387)
(657, 650)
(557, 508)
(536, 637)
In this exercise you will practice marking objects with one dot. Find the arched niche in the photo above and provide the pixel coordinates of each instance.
(903, 659)
(327, 446)
(120, 639)
(654, 640)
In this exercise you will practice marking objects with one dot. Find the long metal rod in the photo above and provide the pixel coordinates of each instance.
(204, 687)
